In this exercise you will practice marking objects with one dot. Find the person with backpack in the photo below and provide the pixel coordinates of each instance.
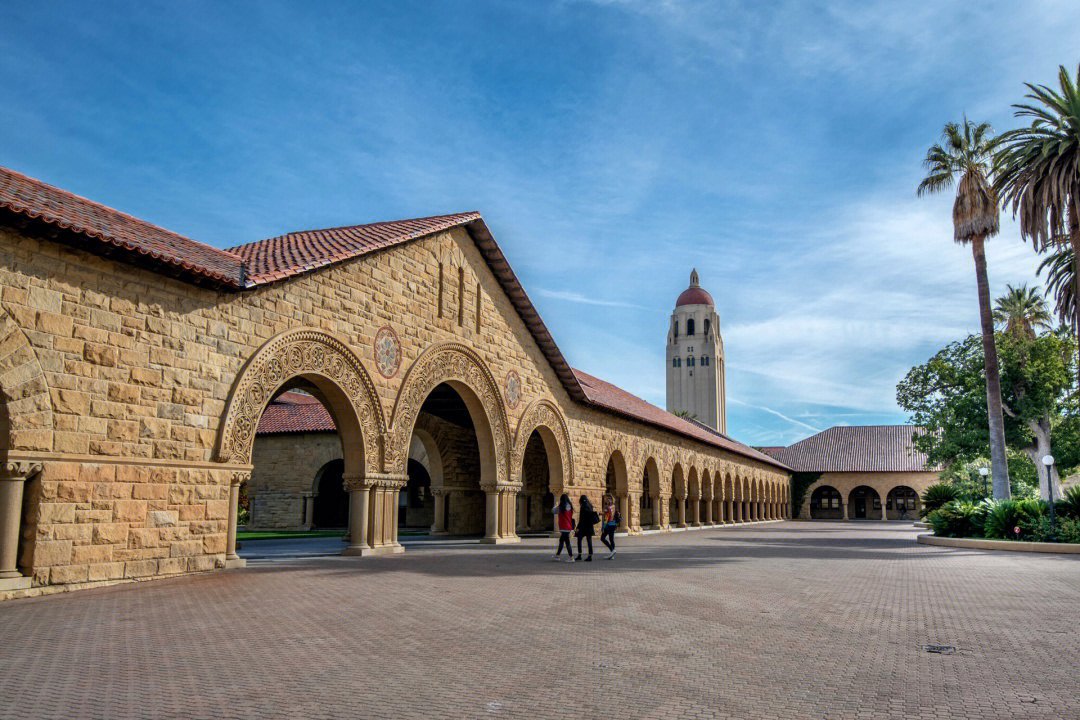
(565, 512)
(611, 521)
(587, 519)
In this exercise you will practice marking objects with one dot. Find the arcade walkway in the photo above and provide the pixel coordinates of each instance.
(788, 620)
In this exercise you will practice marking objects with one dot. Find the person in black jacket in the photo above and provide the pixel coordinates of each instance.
(587, 518)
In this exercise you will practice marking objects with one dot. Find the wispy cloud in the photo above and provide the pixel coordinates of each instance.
(777, 413)
(574, 297)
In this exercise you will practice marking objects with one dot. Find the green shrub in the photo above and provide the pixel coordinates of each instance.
(1068, 530)
(937, 495)
(958, 519)
(1069, 505)
(1003, 517)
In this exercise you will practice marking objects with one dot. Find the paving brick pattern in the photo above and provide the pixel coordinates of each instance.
(789, 620)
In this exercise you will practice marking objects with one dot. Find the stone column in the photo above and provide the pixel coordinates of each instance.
(633, 501)
(499, 519)
(359, 496)
(491, 515)
(13, 477)
(708, 512)
(682, 512)
(309, 510)
(844, 507)
(695, 512)
(373, 513)
(624, 511)
(729, 511)
(232, 560)
(438, 525)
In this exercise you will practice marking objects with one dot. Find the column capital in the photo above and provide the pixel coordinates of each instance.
(240, 476)
(501, 487)
(19, 470)
(360, 481)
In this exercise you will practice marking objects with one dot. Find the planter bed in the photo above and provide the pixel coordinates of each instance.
(1012, 545)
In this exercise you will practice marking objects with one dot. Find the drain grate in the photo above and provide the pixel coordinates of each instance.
(939, 649)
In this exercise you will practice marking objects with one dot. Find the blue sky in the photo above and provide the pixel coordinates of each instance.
(610, 145)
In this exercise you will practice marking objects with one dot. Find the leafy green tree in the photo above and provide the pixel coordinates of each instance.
(1020, 311)
(967, 154)
(1038, 171)
(944, 395)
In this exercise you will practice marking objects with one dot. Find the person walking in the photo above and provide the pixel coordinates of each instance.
(611, 521)
(564, 510)
(587, 519)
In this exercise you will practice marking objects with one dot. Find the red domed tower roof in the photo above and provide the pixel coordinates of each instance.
(695, 294)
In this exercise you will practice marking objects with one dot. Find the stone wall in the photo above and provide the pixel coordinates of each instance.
(284, 475)
(880, 482)
(119, 389)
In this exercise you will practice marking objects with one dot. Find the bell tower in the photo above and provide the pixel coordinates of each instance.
(695, 359)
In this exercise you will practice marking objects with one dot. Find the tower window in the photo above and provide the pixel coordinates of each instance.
(690, 326)
(704, 359)
(690, 361)
(674, 362)
(706, 326)
(675, 327)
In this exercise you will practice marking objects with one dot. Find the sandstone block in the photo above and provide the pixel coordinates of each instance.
(164, 518)
(52, 552)
(129, 510)
(140, 568)
(110, 534)
(100, 354)
(106, 571)
(62, 574)
(91, 553)
(51, 512)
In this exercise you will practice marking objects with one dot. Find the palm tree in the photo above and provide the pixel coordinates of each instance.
(1021, 310)
(967, 152)
(1061, 283)
(1039, 172)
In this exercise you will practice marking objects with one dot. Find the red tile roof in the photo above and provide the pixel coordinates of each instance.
(298, 252)
(119, 235)
(614, 399)
(293, 412)
(860, 448)
(116, 233)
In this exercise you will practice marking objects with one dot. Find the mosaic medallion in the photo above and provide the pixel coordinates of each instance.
(513, 389)
(387, 352)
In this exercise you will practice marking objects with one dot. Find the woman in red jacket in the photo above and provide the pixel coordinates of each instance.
(565, 512)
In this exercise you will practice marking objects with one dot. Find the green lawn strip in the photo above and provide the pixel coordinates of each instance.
(249, 535)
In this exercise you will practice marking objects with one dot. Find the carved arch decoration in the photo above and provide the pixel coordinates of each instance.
(544, 413)
(300, 353)
(26, 414)
(447, 363)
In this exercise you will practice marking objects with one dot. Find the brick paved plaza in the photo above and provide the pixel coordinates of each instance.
(788, 620)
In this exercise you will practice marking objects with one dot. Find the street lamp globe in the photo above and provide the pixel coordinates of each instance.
(1048, 460)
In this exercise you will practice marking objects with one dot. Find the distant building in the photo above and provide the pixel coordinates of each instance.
(695, 359)
(869, 472)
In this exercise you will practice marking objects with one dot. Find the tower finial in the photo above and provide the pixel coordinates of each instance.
(694, 278)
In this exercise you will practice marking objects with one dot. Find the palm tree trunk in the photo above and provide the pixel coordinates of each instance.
(998, 463)
(1074, 240)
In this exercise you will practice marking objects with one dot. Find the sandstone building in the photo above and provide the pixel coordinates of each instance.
(135, 366)
(868, 472)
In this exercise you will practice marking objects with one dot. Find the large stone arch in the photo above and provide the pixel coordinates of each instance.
(464, 370)
(335, 372)
(26, 423)
(546, 418)
(26, 407)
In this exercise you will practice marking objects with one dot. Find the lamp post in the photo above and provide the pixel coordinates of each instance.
(1048, 461)
(984, 472)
